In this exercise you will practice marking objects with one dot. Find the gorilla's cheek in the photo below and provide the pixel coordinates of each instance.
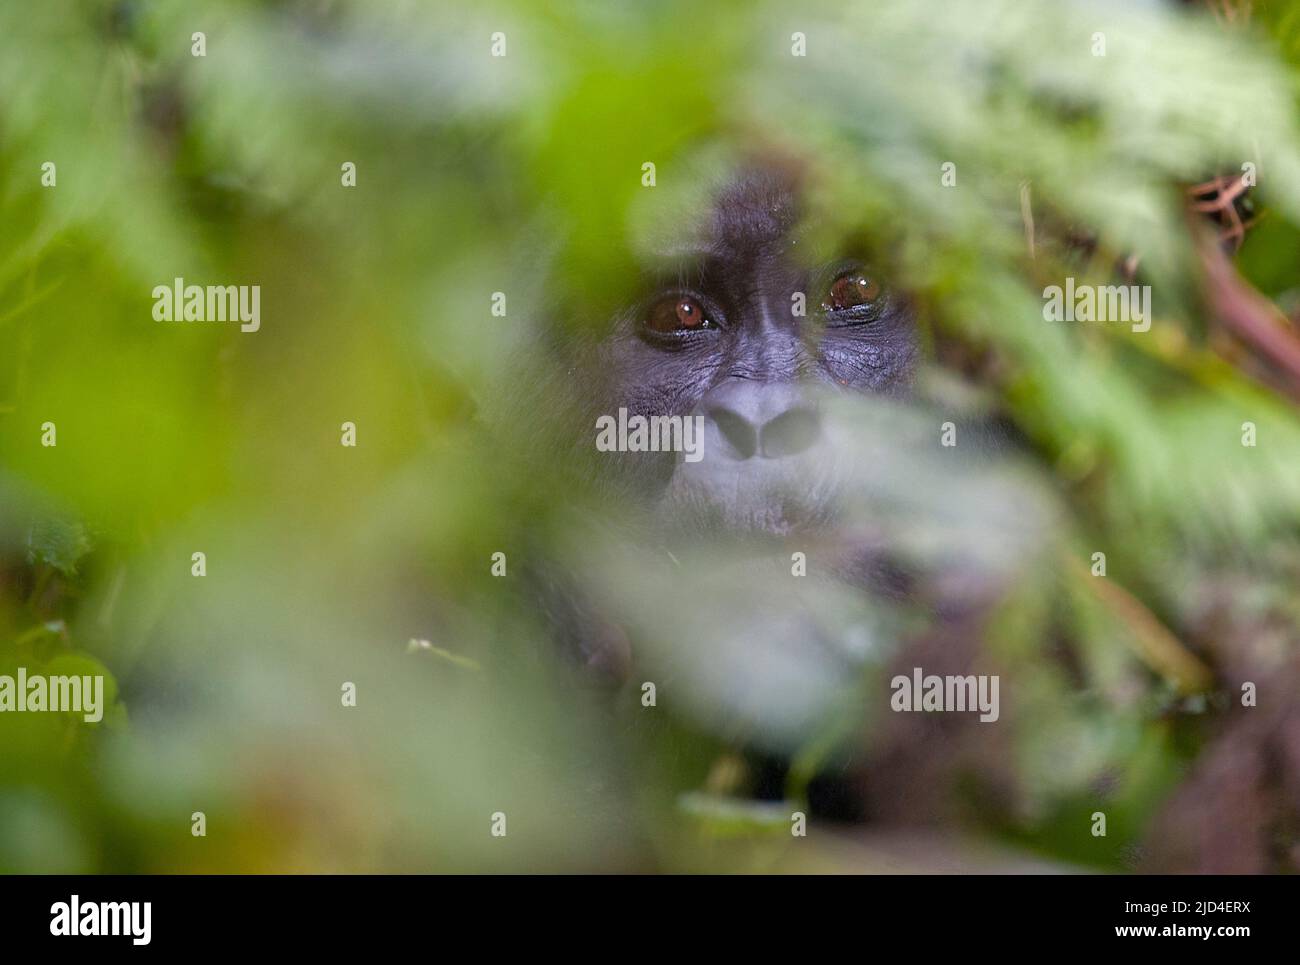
(878, 361)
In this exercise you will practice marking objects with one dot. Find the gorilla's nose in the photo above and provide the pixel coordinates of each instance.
(750, 418)
(790, 433)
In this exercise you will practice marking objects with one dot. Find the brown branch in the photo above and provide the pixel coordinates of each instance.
(1250, 316)
(1156, 645)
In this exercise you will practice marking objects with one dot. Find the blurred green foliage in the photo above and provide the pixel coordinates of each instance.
(522, 173)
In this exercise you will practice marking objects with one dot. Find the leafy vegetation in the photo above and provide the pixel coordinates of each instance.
(522, 173)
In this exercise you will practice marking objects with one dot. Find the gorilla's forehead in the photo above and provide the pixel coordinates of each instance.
(752, 217)
(755, 214)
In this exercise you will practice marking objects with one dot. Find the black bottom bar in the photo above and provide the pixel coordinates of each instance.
(334, 914)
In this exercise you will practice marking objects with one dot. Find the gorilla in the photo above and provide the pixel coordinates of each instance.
(738, 332)
(825, 536)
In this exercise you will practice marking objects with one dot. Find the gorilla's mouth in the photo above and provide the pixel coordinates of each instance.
(752, 498)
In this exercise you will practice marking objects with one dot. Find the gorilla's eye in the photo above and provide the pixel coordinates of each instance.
(677, 313)
(850, 290)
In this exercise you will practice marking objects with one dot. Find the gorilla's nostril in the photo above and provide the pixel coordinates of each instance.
(737, 430)
(791, 433)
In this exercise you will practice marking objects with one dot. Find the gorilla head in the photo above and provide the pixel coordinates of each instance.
(817, 461)
(737, 329)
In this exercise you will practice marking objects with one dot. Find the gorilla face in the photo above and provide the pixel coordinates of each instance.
(738, 331)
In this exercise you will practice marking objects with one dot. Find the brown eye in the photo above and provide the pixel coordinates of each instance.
(849, 291)
(677, 313)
